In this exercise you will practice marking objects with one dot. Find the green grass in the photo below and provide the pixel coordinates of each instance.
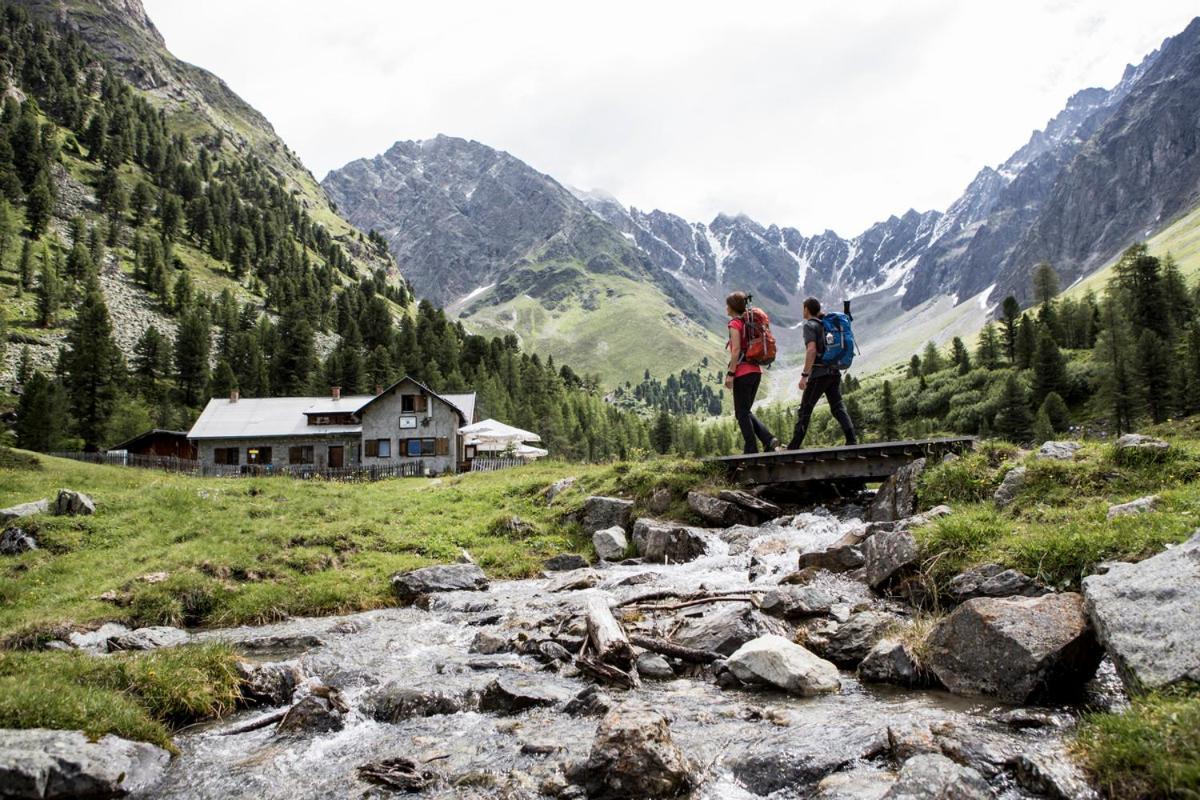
(255, 550)
(1152, 750)
(142, 696)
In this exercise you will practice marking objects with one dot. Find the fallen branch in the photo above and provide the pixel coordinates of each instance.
(608, 639)
(666, 594)
(607, 672)
(261, 722)
(699, 601)
(665, 648)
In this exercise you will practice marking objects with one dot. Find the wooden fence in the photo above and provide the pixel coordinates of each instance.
(493, 464)
(409, 469)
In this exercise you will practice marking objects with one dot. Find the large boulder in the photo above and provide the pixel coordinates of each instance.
(633, 756)
(565, 562)
(40, 763)
(96, 641)
(820, 596)
(610, 543)
(853, 639)
(605, 512)
(1010, 487)
(934, 777)
(150, 638)
(788, 763)
(269, 683)
(408, 586)
(1136, 447)
(512, 694)
(763, 508)
(717, 512)
(15, 541)
(1147, 616)
(555, 489)
(70, 503)
(1057, 451)
(726, 628)
(396, 702)
(843, 555)
(313, 714)
(1017, 649)
(1141, 505)
(667, 542)
(887, 553)
(897, 498)
(891, 661)
(24, 510)
(992, 580)
(784, 664)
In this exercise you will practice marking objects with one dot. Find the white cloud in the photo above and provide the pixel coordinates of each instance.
(813, 114)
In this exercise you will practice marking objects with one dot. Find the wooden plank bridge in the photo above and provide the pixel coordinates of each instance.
(868, 462)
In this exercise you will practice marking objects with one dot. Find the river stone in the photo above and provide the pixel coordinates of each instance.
(488, 643)
(1147, 615)
(660, 500)
(408, 586)
(1051, 776)
(312, 714)
(853, 640)
(24, 510)
(72, 503)
(917, 520)
(633, 756)
(667, 543)
(653, 666)
(610, 543)
(886, 553)
(1017, 649)
(782, 663)
(992, 580)
(511, 694)
(1010, 487)
(396, 702)
(149, 638)
(1058, 451)
(935, 777)
(792, 763)
(1142, 446)
(575, 580)
(726, 628)
(565, 562)
(590, 702)
(96, 641)
(268, 683)
(890, 661)
(15, 541)
(817, 597)
(763, 508)
(398, 774)
(843, 555)
(856, 784)
(719, 513)
(40, 763)
(897, 497)
(605, 512)
(1139, 506)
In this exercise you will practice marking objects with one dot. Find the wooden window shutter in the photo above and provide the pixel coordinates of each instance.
(422, 403)
(372, 448)
(443, 446)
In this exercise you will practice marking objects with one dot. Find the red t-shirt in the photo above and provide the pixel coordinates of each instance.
(745, 367)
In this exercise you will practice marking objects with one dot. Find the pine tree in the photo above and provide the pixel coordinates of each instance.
(1026, 342)
(26, 267)
(661, 437)
(1049, 369)
(24, 366)
(1013, 419)
(39, 206)
(192, 347)
(93, 368)
(1137, 284)
(1011, 310)
(1045, 283)
(49, 294)
(1177, 301)
(914, 366)
(960, 356)
(1043, 430)
(931, 359)
(223, 379)
(1056, 412)
(151, 363)
(6, 230)
(1112, 354)
(1191, 361)
(1153, 370)
(987, 354)
(888, 427)
(40, 415)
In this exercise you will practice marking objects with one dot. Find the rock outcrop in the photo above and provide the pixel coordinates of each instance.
(606, 512)
(1010, 487)
(897, 498)
(719, 513)
(992, 580)
(667, 542)
(887, 553)
(633, 756)
(778, 662)
(70, 503)
(40, 763)
(1142, 505)
(408, 586)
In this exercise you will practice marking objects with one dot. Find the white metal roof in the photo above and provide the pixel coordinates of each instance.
(253, 417)
(348, 404)
(464, 402)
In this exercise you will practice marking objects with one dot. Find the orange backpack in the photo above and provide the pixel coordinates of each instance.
(758, 343)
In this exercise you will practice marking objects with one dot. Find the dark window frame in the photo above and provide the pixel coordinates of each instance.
(221, 456)
(306, 454)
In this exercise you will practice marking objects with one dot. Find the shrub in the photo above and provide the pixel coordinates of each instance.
(185, 598)
(968, 479)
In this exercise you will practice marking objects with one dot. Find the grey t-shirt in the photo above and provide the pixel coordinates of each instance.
(814, 331)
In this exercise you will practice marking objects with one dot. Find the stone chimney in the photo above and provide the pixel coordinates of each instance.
(336, 391)
(233, 395)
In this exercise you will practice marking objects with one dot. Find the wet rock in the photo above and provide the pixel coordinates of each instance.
(71, 503)
(856, 784)
(987, 753)
(793, 764)
(843, 555)
(897, 498)
(660, 501)
(633, 756)
(15, 541)
(553, 651)
(667, 543)
(935, 777)
(886, 553)
(96, 641)
(781, 663)
(610, 543)
(726, 628)
(272, 683)
(910, 737)
(557, 488)
(854, 639)
(399, 774)
(408, 586)
(652, 666)
(40, 763)
(149, 638)
(638, 579)
(312, 714)
(917, 520)
(762, 508)
(890, 661)
(1051, 776)
(1058, 451)
(719, 513)
(591, 702)
(1140, 506)
(565, 562)
(488, 643)
(280, 643)
(1010, 487)
(24, 510)
(1141, 447)
(512, 694)
(396, 702)
(606, 512)
(575, 580)
(1017, 649)
(1147, 615)
(819, 596)
(992, 580)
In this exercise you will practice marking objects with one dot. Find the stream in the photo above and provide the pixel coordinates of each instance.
(745, 743)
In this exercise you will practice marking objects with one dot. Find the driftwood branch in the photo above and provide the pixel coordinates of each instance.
(260, 722)
(665, 648)
(607, 672)
(699, 601)
(606, 635)
(668, 594)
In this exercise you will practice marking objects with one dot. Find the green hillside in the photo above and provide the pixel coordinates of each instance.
(1180, 239)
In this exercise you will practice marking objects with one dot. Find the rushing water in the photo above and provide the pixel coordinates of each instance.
(485, 755)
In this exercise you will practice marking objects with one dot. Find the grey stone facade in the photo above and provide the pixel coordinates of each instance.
(281, 447)
(381, 420)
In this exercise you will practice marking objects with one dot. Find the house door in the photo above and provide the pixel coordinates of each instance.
(336, 459)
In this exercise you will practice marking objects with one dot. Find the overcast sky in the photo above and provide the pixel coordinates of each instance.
(810, 114)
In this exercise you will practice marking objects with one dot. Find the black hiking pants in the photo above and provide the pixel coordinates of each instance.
(828, 384)
(745, 389)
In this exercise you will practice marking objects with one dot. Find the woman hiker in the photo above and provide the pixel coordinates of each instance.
(743, 378)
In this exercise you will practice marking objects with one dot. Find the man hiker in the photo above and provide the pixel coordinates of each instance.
(818, 379)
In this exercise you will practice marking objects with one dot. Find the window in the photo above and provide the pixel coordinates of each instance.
(379, 448)
(414, 403)
(415, 448)
(301, 454)
(226, 455)
(258, 455)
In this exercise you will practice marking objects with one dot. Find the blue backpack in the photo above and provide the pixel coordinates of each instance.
(839, 340)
